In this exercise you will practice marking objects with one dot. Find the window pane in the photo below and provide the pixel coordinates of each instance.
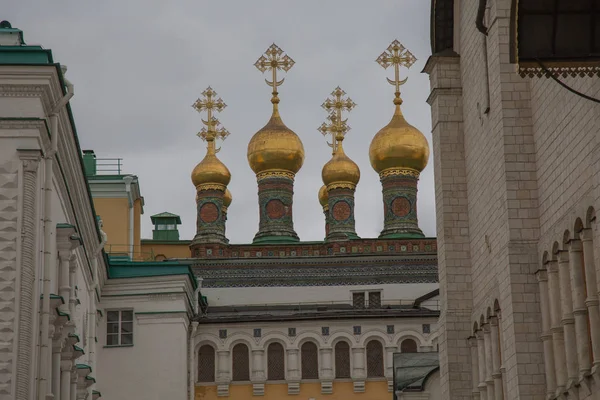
(358, 300)
(127, 315)
(112, 327)
(206, 364)
(241, 363)
(342, 360)
(112, 340)
(275, 362)
(310, 361)
(408, 346)
(112, 316)
(374, 359)
(127, 338)
(375, 300)
(127, 327)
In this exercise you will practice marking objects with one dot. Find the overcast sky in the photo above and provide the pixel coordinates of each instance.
(137, 67)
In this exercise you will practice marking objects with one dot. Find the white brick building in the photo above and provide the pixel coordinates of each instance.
(516, 169)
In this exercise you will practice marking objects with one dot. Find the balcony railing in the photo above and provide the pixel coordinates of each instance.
(109, 166)
(124, 251)
(309, 305)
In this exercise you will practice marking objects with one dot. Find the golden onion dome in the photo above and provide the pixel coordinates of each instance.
(323, 196)
(340, 168)
(275, 147)
(399, 145)
(227, 198)
(211, 169)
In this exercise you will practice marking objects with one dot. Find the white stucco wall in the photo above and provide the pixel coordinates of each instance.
(318, 294)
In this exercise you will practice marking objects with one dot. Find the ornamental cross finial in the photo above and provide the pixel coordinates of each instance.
(274, 60)
(214, 129)
(338, 127)
(397, 55)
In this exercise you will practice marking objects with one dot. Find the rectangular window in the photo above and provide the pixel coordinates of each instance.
(119, 328)
(358, 299)
(374, 299)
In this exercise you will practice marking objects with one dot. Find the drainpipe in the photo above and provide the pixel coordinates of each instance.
(128, 179)
(49, 240)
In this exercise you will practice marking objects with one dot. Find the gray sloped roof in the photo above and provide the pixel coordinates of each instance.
(411, 370)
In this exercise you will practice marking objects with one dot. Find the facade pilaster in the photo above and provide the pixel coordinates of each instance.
(72, 283)
(483, 395)
(558, 344)
(542, 277)
(26, 295)
(359, 374)
(65, 380)
(567, 320)
(293, 370)
(496, 373)
(591, 300)
(389, 361)
(56, 359)
(223, 367)
(258, 369)
(64, 290)
(326, 363)
(452, 211)
(489, 367)
(472, 341)
(579, 309)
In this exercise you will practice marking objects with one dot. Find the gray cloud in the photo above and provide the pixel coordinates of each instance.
(139, 65)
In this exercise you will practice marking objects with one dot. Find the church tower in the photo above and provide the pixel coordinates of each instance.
(275, 154)
(211, 176)
(399, 152)
(340, 174)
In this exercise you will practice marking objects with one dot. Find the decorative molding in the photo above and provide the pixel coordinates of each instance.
(27, 278)
(293, 388)
(275, 174)
(317, 276)
(399, 171)
(211, 186)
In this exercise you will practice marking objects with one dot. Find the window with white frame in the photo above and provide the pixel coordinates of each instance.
(366, 299)
(119, 328)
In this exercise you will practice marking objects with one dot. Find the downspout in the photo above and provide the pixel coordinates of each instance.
(480, 24)
(128, 179)
(49, 240)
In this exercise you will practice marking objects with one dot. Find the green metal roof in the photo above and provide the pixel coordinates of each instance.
(142, 269)
(165, 215)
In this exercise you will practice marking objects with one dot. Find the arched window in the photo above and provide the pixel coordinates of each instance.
(309, 356)
(342, 360)
(374, 359)
(275, 362)
(206, 364)
(241, 363)
(408, 346)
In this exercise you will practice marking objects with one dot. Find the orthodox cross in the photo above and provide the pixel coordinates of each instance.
(396, 55)
(338, 127)
(274, 60)
(213, 130)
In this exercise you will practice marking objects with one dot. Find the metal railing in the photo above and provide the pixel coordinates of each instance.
(429, 304)
(125, 250)
(109, 166)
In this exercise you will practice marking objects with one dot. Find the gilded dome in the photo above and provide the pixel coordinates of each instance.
(211, 170)
(340, 169)
(275, 147)
(399, 145)
(323, 196)
(227, 198)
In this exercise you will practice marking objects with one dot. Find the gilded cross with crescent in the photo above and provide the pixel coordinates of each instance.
(213, 130)
(338, 127)
(397, 55)
(274, 60)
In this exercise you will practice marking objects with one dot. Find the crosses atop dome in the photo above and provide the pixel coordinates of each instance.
(211, 103)
(397, 55)
(274, 60)
(338, 126)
